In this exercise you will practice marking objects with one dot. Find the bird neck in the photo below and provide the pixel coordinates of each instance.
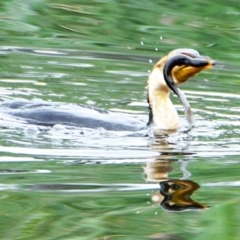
(163, 113)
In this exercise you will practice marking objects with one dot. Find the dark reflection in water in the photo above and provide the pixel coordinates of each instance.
(174, 194)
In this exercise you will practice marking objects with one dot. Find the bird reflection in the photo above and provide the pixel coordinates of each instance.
(174, 194)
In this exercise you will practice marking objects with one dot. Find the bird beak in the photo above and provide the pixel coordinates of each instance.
(180, 67)
(182, 73)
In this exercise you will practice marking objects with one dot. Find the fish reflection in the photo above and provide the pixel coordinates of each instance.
(174, 194)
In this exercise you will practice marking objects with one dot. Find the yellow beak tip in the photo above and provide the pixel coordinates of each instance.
(211, 63)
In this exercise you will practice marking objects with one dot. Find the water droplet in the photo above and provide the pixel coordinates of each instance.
(31, 130)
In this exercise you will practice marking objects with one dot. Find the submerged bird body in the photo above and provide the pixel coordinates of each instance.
(175, 68)
(50, 114)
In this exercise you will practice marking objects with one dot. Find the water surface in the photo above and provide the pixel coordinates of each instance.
(74, 183)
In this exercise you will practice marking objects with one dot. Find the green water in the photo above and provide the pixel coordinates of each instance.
(61, 183)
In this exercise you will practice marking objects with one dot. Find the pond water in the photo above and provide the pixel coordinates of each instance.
(75, 183)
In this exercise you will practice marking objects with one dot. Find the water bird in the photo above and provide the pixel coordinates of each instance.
(170, 71)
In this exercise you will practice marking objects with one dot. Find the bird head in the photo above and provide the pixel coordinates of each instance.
(182, 70)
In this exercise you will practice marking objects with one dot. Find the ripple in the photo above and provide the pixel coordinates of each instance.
(19, 159)
(80, 188)
(117, 154)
